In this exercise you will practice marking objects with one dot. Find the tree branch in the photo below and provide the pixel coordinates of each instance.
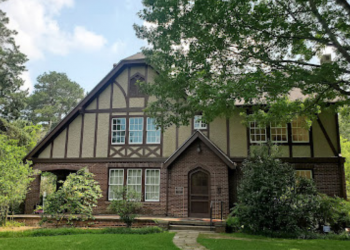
(345, 4)
(335, 41)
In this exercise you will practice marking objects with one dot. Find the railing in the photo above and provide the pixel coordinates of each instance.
(211, 211)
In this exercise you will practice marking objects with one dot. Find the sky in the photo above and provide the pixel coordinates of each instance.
(82, 38)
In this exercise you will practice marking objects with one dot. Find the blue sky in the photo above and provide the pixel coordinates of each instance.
(82, 38)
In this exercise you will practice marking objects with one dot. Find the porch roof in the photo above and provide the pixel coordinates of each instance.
(199, 135)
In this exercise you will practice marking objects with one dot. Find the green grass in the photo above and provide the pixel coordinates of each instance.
(74, 231)
(161, 241)
(248, 242)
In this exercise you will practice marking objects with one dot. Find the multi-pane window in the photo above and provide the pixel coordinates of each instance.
(257, 134)
(152, 185)
(134, 180)
(118, 130)
(136, 130)
(116, 183)
(299, 131)
(198, 123)
(304, 173)
(153, 134)
(279, 132)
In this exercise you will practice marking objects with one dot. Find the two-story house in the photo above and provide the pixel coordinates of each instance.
(184, 170)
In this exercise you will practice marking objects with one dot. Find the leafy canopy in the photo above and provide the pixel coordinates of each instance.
(12, 98)
(15, 176)
(214, 54)
(53, 97)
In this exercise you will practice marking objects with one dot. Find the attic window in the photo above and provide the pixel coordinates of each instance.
(198, 123)
(134, 88)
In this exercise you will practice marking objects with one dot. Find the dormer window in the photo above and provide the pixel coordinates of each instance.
(198, 123)
(134, 89)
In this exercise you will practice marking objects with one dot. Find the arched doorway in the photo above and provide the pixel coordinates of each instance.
(199, 193)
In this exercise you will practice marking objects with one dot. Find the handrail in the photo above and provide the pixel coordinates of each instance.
(211, 211)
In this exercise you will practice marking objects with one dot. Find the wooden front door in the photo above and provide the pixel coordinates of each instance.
(199, 194)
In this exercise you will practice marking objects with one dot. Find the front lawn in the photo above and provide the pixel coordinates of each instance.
(91, 241)
(247, 242)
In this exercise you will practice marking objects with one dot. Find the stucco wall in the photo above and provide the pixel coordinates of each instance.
(89, 135)
(238, 137)
(59, 145)
(321, 146)
(218, 133)
(46, 152)
(169, 141)
(74, 136)
(105, 98)
(102, 135)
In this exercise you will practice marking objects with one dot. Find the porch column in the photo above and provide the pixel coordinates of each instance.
(33, 195)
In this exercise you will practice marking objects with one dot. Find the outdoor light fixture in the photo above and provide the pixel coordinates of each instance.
(199, 148)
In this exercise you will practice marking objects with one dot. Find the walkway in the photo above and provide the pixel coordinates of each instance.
(187, 240)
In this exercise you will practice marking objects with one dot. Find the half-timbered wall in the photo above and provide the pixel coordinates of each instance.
(89, 134)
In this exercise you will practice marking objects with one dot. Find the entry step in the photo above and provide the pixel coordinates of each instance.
(191, 228)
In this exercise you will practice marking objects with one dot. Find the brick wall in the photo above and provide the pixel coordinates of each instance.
(100, 170)
(327, 177)
(179, 177)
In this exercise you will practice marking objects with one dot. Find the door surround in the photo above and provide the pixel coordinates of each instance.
(199, 198)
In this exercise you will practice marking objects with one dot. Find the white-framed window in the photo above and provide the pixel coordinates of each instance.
(153, 134)
(257, 134)
(198, 123)
(136, 130)
(279, 132)
(152, 183)
(299, 131)
(116, 183)
(134, 180)
(118, 130)
(304, 173)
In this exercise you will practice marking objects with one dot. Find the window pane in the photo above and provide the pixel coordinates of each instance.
(134, 181)
(153, 134)
(116, 182)
(118, 130)
(257, 134)
(278, 132)
(136, 130)
(152, 183)
(197, 123)
(299, 131)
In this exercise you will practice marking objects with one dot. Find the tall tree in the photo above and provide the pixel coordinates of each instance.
(212, 54)
(53, 97)
(12, 98)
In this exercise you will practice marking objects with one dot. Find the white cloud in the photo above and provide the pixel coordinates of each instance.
(118, 47)
(39, 32)
(28, 84)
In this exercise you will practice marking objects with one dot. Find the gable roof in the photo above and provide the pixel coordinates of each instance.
(133, 60)
(199, 135)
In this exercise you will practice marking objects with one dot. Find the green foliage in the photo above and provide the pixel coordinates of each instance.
(128, 206)
(12, 98)
(77, 198)
(233, 224)
(25, 133)
(74, 231)
(14, 176)
(333, 211)
(48, 183)
(212, 55)
(53, 97)
(345, 148)
(273, 201)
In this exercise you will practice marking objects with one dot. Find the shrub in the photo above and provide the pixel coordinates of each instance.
(271, 198)
(76, 198)
(127, 206)
(232, 224)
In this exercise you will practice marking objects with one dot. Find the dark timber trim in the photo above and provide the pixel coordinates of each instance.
(311, 139)
(51, 150)
(96, 125)
(66, 143)
(109, 78)
(228, 135)
(199, 135)
(81, 136)
(290, 143)
(99, 160)
(327, 136)
(337, 132)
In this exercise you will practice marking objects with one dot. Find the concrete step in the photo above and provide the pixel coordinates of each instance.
(190, 223)
(191, 228)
